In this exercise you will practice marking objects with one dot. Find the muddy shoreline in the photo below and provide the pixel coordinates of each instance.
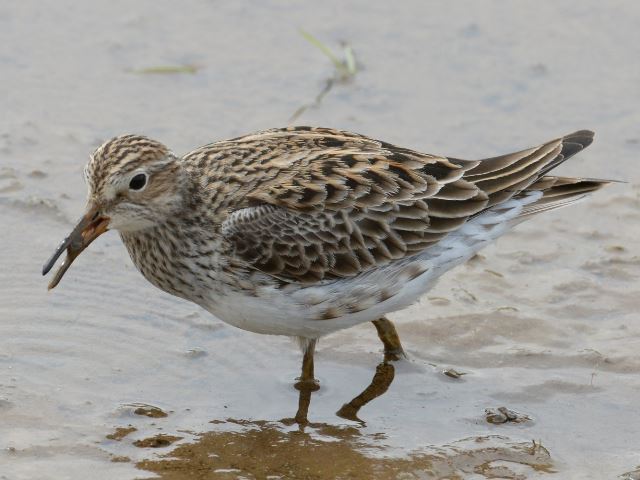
(543, 323)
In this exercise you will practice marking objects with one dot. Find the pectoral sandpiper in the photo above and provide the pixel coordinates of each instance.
(304, 231)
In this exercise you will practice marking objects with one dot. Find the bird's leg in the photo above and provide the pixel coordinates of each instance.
(387, 332)
(306, 383)
(380, 383)
(385, 372)
(306, 380)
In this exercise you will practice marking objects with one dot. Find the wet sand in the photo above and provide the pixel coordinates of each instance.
(543, 323)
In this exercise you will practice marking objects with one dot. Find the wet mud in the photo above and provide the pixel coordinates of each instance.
(107, 377)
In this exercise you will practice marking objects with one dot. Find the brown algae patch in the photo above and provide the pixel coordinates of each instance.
(263, 450)
(121, 432)
(120, 459)
(150, 411)
(157, 441)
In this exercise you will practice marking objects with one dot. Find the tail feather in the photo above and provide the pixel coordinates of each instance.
(521, 173)
(571, 144)
(506, 176)
(559, 192)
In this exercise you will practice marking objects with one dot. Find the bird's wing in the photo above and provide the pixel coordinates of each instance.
(354, 203)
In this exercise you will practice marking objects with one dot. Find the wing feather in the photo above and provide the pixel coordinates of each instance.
(346, 203)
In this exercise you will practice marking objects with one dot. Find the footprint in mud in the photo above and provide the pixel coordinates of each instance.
(36, 205)
(5, 404)
(9, 182)
(37, 174)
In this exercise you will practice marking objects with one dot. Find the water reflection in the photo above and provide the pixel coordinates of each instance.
(385, 372)
(266, 450)
(295, 448)
(382, 379)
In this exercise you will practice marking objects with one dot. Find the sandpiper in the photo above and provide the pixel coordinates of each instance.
(303, 231)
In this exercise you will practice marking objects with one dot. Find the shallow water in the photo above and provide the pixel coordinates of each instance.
(544, 322)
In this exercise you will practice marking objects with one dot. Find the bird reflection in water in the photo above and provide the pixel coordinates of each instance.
(261, 448)
(385, 373)
(382, 379)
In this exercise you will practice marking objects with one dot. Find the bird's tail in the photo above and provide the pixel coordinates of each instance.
(559, 192)
(520, 174)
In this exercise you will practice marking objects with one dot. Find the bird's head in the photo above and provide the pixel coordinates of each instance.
(134, 183)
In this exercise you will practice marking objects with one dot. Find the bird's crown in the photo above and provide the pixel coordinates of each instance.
(124, 154)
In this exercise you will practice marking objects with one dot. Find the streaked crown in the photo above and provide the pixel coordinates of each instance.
(121, 155)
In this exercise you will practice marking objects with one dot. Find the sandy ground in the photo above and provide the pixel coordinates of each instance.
(545, 322)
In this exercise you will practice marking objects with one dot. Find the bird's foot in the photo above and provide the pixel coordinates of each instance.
(394, 354)
(307, 384)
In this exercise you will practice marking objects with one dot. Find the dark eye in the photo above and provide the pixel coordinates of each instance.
(138, 181)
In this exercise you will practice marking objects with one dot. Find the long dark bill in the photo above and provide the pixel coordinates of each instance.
(89, 227)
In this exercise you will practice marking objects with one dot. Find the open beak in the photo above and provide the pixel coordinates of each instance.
(90, 227)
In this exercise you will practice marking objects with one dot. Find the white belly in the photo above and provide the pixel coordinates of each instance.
(318, 310)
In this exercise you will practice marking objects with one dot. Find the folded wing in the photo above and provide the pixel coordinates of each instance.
(359, 203)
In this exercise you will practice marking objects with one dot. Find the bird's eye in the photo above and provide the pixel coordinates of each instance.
(138, 181)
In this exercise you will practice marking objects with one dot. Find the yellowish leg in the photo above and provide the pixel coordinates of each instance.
(385, 372)
(306, 383)
(393, 350)
(304, 400)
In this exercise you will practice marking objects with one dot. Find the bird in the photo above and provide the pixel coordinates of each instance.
(303, 231)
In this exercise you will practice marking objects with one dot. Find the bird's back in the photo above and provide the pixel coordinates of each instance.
(306, 205)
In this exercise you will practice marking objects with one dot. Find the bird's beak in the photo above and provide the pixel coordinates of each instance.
(91, 226)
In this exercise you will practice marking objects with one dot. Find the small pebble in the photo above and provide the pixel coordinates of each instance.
(453, 373)
(501, 415)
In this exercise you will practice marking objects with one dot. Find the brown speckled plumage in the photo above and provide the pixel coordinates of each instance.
(270, 221)
(306, 204)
